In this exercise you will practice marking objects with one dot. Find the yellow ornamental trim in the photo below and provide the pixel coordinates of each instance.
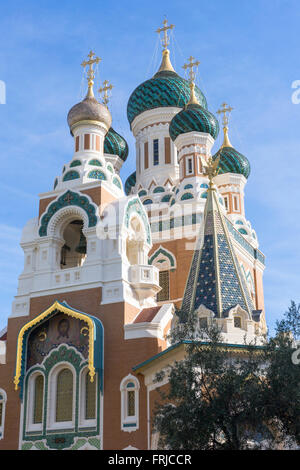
(68, 311)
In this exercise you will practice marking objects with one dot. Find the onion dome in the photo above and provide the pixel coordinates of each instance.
(165, 89)
(194, 118)
(89, 110)
(115, 144)
(130, 182)
(230, 160)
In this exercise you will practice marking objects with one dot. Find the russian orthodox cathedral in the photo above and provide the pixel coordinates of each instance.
(107, 266)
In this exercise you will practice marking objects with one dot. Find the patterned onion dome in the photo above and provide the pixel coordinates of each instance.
(194, 118)
(115, 144)
(89, 110)
(130, 182)
(165, 89)
(232, 161)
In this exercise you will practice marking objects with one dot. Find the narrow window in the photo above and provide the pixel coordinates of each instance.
(130, 402)
(235, 203)
(64, 396)
(2, 412)
(86, 141)
(237, 322)
(38, 399)
(164, 282)
(90, 398)
(167, 150)
(189, 169)
(155, 152)
(77, 144)
(146, 155)
(98, 143)
(226, 202)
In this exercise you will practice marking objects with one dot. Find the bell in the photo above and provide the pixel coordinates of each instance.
(81, 248)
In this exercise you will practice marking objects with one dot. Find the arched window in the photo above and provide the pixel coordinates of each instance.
(64, 396)
(2, 412)
(73, 252)
(97, 175)
(38, 399)
(35, 402)
(88, 400)
(129, 403)
(71, 175)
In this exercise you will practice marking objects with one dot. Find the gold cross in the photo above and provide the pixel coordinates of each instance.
(104, 90)
(164, 29)
(90, 72)
(191, 66)
(223, 111)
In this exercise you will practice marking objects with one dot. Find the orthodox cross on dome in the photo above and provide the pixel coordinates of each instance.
(90, 74)
(225, 109)
(192, 76)
(104, 89)
(166, 63)
(191, 65)
(164, 29)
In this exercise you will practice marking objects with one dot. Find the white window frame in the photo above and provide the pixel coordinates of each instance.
(52, 393)
(83, 422)
(30, 425)
(189, 159)
(129, 423)
(3, 401)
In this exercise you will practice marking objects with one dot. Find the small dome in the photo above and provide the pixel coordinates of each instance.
(194, 118)
(165, 89)
(89, 110)
(115, 144)
(232, 161)
(130, 183)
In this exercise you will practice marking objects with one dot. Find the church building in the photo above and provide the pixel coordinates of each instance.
(107, 265)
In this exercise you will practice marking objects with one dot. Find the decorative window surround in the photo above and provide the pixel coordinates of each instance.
(129, 417)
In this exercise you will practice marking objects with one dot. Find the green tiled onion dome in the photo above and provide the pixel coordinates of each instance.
(232, 161)
(115, 144)
(194, 118)
(165, 89)
(130, 182)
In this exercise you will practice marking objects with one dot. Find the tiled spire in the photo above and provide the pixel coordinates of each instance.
(215, 279)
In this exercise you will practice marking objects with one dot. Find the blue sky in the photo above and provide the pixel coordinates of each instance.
(249, 54)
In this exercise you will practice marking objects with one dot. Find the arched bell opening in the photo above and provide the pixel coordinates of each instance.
(73, 252)
(135, 242)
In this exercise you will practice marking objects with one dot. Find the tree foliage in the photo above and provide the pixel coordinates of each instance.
(221, 397)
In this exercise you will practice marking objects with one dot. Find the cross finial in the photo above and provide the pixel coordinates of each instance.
(104, 89)
(164, 29)
(90, 74)
(192, 76)
(225, 109)
(191, 65)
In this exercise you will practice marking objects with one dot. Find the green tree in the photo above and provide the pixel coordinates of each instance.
(220, 397)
